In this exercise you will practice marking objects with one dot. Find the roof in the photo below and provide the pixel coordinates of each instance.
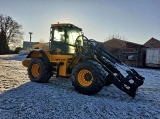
(27, 44)
(117, 43)
(133, 43)
(64, 24)
(153, 42)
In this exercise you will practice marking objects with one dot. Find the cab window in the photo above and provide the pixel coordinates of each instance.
(59, 34)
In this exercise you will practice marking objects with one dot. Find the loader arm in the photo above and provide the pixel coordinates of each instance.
(129, 83)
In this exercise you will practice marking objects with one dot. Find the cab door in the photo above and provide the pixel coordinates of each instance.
(58, 44)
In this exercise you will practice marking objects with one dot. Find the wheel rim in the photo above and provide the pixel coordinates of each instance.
(85, 78)
(35, 70)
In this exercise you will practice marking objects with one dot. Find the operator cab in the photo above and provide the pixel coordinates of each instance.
(63, 37)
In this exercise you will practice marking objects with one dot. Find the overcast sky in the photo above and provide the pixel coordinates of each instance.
(134, 20)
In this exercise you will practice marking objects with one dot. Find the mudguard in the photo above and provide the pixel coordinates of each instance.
(36, 53)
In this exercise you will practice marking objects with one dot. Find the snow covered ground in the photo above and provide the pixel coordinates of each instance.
(20, 98)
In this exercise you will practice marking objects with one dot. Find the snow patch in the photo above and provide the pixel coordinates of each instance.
(20, 98)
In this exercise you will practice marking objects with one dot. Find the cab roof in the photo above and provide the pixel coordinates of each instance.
(64, 24)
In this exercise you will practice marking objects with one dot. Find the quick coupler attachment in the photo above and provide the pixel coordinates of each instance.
(132, 81)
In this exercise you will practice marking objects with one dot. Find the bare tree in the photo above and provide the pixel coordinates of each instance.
(115, 36)
(9, 31)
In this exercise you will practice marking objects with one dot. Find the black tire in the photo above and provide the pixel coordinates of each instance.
(107, 81)
(92, 74)
(38, 71)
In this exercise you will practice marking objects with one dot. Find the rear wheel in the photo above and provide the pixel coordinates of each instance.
(38, 71)
(88, 77)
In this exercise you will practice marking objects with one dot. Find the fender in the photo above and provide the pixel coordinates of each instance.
(38, 54)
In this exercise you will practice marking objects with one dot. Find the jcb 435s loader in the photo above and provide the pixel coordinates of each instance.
(90, 67)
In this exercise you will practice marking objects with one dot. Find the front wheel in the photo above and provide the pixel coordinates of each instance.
(38, 71)
(88, 77)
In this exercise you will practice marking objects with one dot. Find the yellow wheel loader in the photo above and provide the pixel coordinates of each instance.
(89, 66)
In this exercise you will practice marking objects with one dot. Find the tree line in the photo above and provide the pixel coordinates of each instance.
(10, 31)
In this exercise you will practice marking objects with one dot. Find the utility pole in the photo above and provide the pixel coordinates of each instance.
(30, 33)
